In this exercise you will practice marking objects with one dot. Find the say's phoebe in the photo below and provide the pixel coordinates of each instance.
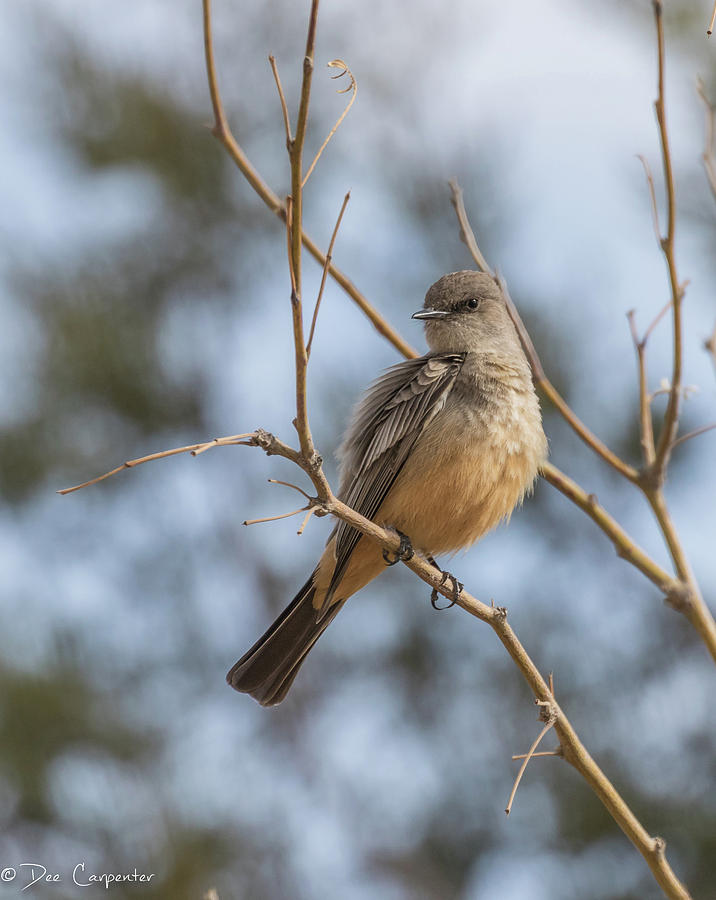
(440, 448)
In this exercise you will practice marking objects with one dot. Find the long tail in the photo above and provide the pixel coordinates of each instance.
(267, 670)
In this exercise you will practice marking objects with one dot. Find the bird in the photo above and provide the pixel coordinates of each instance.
(441, 448)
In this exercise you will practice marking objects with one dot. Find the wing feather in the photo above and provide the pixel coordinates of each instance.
(386, 424)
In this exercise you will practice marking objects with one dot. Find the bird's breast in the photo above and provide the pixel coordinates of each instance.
(471, 466)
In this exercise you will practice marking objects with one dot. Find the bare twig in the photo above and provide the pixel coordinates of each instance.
(626, 548)
(296, 158)
(295, 225)
(194, 449)
(646, 426)
(708, 157)
(652, 197)
(282, 99)
(288, 484)
(287, 515)
(353, 88)
(326, 266)
(557, 752)
(670, 423)
(527, 757)
(311, 511)
(289, 243)
(695, 433)
(220, 442)
(655, 321)
(709, 30)
(467, 235)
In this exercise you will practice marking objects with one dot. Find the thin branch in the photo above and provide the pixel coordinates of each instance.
(646, 425)
(709, 30)
(326, 265)
(231, 440)
(296, 158)
(652, 197)
(695, 433)
(708, 157)
(294, 222)
(670, 424)
(540, 379)
(626, 548)
(221, 442)
(282, 98)
(528, 756)
(223, 133)
(692, 603)
(353, 87)
(288, 484)
(655, 321)
(467, 235)
(289, 243)
(287, 515)
(557, 752)
(311, 511)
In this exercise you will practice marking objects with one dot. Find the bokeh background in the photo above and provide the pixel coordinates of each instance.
(144, 304)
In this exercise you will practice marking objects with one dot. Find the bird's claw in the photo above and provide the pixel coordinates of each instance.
(457, 587)
(404, 552)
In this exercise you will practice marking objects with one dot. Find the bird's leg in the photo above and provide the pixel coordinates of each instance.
(404, 553)
(457, 587)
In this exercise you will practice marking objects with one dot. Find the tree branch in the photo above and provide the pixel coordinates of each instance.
(646, 425)
(673, 589)
(670, 425)
(295, 152)
(326, 266)
(194, 449)
(282, 100)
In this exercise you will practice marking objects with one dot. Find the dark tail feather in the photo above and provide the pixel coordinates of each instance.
(267, 671)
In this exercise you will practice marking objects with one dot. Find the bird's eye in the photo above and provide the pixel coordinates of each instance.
(472, 303)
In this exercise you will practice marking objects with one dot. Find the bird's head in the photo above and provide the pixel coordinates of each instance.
(465, 311)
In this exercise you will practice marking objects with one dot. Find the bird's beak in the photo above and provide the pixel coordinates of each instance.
(429, 314)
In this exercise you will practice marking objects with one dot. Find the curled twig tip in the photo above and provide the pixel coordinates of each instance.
(353, 87)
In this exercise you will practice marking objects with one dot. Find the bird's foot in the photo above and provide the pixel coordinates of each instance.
(457, 587)
(404, 552)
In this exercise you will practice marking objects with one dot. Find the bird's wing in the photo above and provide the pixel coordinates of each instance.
(385, 427)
